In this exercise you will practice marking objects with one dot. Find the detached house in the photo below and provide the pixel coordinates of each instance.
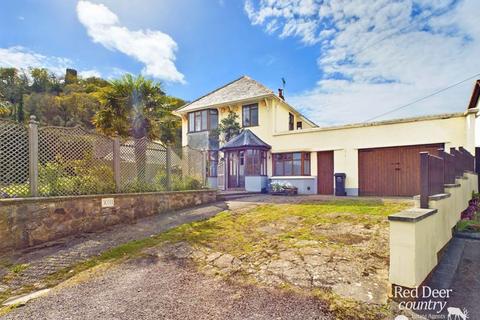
(279, 144)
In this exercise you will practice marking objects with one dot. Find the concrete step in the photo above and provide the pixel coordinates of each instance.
(232, 195)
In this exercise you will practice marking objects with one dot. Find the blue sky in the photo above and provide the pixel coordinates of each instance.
(344, 60)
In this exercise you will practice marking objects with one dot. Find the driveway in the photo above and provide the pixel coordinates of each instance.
(156, 288)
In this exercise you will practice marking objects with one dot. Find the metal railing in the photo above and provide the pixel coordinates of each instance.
(59, 161)
(441, 170)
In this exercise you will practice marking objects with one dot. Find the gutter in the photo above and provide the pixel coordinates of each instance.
(379, 123)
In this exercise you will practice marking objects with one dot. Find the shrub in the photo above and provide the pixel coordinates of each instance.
(75, 177)
(180, 183)
(280, 186)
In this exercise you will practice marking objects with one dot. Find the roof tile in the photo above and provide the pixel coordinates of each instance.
(240, 89)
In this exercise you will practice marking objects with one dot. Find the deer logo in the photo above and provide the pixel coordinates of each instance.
(457, 313)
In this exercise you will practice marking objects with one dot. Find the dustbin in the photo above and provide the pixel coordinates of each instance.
(340, 184)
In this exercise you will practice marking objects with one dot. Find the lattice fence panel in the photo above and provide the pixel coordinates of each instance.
(73, 161)
(143, 166)
(14, 161)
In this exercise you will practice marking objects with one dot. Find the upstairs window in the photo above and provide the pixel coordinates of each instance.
(291, 164)
(250, 115)
(299, 125)
(291, 121)
(202, 120)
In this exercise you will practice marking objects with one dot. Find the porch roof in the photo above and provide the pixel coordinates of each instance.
(246, 139)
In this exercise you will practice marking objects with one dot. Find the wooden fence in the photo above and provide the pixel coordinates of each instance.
(437, 171)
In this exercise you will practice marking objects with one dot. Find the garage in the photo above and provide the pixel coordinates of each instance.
(391, 171)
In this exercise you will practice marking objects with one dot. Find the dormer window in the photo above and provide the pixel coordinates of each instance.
(291, 121)
(202, 120)
(250, 115)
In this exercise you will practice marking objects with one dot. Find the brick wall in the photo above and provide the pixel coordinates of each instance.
(31, 221)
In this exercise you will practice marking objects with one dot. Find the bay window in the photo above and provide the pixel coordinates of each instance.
(202, 120)
(256, 162)
(291, 164)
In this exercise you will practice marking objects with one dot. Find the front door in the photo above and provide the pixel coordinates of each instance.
(236, 169)
(325, 172)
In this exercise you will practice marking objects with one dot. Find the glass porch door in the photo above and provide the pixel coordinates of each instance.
(236, 169)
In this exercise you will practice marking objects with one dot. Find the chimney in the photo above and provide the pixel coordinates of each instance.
(70, 76)
(280, 94)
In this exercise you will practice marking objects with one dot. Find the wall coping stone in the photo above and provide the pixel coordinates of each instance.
(9, 201)
(451, 185)
(435, 197)
(412, 215)
(471, 172)
(439, 196)
(291, 177)
(461, 177)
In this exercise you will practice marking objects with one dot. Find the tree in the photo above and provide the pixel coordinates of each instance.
(229, 127)
(137, 107)
(5, 109)
(45, 81)
(128, 106)
(13, 85)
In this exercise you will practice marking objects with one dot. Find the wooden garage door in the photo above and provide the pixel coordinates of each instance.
(393, 171)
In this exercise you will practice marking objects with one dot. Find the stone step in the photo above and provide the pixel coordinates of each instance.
(235, 195)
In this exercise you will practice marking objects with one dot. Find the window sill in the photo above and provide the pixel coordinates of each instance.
(198, 131)
(292, 177)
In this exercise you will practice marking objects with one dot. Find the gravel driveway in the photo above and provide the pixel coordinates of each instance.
(155, 288)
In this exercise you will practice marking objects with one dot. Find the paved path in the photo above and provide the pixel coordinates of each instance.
(466, 282)
(459, 270)
(159, 288)
(54, 256)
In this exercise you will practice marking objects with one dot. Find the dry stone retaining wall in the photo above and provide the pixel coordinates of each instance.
(32, 221)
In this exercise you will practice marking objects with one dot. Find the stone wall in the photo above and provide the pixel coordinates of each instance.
(31, 221)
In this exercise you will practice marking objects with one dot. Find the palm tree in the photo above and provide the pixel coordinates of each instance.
(128, 106)
(136, 107)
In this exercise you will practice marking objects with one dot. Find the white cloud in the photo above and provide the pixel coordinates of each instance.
(378, 55)
(23, 58)
(155, 49)
(90, 73)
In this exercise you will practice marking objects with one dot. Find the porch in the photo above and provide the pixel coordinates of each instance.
(244, 165)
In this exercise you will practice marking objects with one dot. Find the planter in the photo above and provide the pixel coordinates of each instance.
(286, 192)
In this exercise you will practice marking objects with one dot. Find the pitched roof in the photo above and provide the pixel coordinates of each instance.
(242, 88)
(245, 139)
(475, 95)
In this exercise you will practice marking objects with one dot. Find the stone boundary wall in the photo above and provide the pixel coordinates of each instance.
(418, 235)
(31, 221)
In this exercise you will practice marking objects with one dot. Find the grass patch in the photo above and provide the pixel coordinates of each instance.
(244, 233)
(348, 309)
(18, 268)
(8, 309)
